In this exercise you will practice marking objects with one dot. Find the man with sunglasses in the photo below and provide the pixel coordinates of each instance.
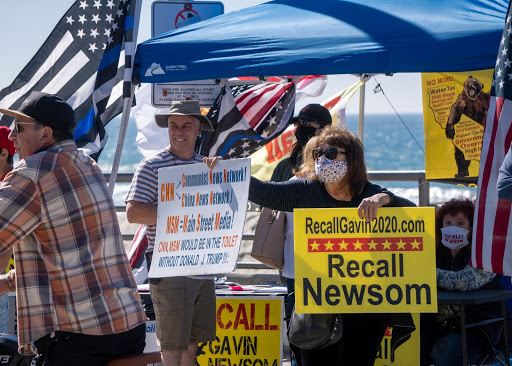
(310, 122)
(77, 300)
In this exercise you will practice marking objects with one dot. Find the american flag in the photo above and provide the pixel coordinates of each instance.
(82, 62)
(246, 117)
(136, 255)
(492, 233)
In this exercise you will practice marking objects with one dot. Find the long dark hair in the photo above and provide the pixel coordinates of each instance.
(356, 176)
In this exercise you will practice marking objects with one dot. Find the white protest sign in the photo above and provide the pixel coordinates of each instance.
(201, 216)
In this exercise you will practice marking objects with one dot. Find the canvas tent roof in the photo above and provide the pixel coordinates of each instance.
(304, 37)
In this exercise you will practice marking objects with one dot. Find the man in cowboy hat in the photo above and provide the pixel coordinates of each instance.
(77, 300)
(184, 306)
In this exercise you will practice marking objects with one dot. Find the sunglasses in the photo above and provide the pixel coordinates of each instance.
(330, 153)
(313, 124)
(19, 128)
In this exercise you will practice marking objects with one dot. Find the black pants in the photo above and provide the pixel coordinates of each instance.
(64, 348)
(289, 304)
(362, 335)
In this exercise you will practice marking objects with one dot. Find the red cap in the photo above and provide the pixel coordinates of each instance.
(5, 143)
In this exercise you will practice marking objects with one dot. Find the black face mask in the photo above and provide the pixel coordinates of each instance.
(303, 134)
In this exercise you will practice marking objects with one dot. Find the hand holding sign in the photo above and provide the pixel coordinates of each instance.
(212, 162)
(367, 209)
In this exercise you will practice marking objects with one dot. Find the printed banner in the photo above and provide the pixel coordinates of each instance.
(201, 216)
(407, 354)
(454, 110)
(264, 161)
(346, 265)
(248, 333)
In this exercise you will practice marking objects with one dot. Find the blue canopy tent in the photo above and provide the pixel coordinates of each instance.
(326, 37)
(304, 37)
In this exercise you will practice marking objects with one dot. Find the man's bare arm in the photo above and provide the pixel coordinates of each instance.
(141, 213)
(8, 282)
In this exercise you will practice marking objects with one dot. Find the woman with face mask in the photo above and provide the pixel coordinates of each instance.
(336, 176)
(441, 342)
(308, 125)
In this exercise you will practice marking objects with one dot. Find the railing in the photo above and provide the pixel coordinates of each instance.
(380, 175)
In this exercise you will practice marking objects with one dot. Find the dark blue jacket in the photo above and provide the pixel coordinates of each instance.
(504, 185)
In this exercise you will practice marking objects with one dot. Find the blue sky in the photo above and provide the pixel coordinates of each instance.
(25, 24)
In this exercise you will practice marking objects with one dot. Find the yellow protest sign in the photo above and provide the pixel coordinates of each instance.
(407, 354)
(454, 111)
(346, 265)
(10, 265)
(248, 333)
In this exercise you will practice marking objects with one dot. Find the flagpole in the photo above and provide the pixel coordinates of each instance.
(361, 107)
(127, 105)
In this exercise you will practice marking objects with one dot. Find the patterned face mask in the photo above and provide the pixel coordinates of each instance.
(330, 171)
(454, 237)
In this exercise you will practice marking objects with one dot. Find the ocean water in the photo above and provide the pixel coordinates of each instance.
(390, 144)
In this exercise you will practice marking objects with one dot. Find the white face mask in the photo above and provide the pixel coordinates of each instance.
(330, 171)
(454, 237)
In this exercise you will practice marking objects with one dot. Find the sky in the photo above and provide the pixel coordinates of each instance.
(25, 25)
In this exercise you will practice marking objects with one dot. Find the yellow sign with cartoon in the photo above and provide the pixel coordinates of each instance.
(346, 265)
(454, 111)
(248, 332)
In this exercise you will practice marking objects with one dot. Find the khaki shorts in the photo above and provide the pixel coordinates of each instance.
(185, 311)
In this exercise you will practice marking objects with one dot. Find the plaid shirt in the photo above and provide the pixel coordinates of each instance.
(72, 272)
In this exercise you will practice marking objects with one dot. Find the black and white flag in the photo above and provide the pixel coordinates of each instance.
(246, 117)
(83, 61)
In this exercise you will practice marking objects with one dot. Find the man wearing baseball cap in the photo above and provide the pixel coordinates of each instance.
(77, 300)
(184, 306)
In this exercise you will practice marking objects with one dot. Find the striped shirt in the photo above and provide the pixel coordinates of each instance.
(72, 272)
(144, 186)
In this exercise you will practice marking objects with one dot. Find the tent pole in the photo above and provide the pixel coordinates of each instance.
(127, 105)
(362, 90)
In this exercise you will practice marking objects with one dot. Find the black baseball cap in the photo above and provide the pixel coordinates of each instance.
(48, 109)
(314, 112)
